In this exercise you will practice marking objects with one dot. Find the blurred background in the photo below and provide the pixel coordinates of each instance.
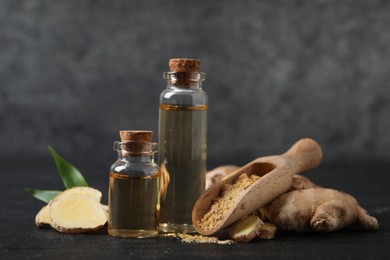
(74, 73)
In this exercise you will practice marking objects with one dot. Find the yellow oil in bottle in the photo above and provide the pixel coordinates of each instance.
(182, 154)
(134, 206)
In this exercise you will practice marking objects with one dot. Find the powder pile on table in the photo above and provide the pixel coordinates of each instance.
(199, 239)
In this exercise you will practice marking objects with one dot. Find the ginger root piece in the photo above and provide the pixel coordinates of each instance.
(267, 231)
(42, 219)
(216, 174)
(76, 214)
(81, 191)
(300, 182)
(246, 229)
(164, 182)
(105, 207)
(317, 209)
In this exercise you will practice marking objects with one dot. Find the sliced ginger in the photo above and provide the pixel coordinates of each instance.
(77, 214)
(75, 210)
(82, 191)
(267, 231)
(246, 229)
(42, 219)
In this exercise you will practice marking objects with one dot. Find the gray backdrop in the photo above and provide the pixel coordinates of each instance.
(73, 73)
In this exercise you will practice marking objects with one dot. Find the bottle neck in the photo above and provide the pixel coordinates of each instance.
(135, 151)
(189, 85)
(187, 80)
(136, 157)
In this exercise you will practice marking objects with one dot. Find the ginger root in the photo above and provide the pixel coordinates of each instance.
(317, 209)
(267, 231)
(76, 214)
(216, 174)
(246, 229)
(81, 191)
(305, 207)
(300, 182)
(164, 182)
(251, 227)
(75, 210)
(42, 219)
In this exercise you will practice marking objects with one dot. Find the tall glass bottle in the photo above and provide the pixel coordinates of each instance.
(182, 143)
(134, 188)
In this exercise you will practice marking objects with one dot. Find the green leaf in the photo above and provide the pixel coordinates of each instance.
(43, 195)
(71, 177)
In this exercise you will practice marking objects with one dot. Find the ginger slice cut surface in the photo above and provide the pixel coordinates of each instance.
(81, 191)
(42, 219)
(76, 214)
(246, 229)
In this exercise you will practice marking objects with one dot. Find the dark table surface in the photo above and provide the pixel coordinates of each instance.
(20, 238)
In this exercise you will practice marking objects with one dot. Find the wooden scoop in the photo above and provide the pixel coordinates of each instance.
(276, 172)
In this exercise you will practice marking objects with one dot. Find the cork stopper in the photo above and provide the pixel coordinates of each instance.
(135, 142)
(139, 136)
(184, 72)
(184, 65)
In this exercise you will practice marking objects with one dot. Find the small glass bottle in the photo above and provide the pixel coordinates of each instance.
(134, 191)
(182, 143)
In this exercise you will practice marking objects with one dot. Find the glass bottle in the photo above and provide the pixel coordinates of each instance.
(182, 143)
(134, 191)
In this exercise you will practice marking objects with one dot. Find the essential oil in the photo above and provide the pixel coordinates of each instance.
(182, 144)
(134, 188)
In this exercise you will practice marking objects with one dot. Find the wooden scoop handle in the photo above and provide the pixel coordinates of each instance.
(304, 155)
